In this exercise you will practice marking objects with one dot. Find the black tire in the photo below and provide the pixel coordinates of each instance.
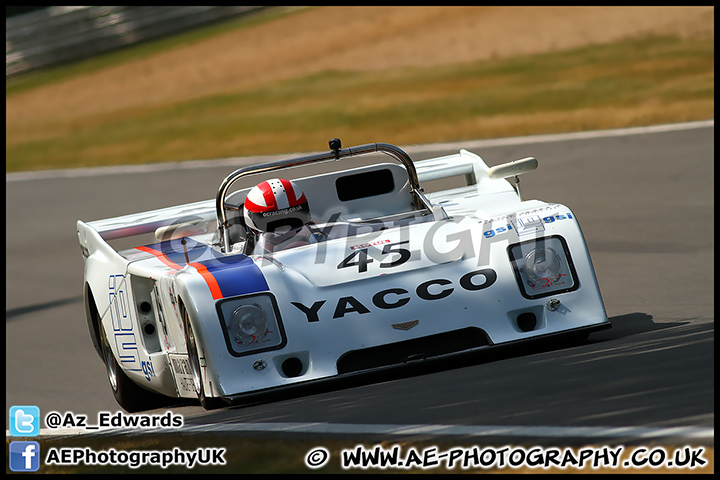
(129, 395)
(208, 403)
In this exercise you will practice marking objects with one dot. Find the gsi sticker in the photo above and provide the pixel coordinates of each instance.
(527, 224)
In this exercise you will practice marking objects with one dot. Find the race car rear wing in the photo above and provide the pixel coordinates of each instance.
(188, 219)
(151, 221)
(475, 171)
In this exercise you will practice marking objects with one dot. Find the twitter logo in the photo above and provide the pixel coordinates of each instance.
(24, 421)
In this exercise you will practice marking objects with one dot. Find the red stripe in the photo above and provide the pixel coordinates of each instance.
(160, 256)
(202, 270)
(267, 192)
(289, 191)
(209, 279)
(292, 194)
(254, 207)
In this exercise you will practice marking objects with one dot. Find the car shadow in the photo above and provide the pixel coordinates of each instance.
(15, 313)
(622, 326)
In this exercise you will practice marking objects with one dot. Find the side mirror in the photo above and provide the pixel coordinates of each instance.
(512, 169)
(179, 230)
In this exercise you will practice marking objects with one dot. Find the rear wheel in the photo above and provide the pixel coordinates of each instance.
(128, 394)
(208, 403)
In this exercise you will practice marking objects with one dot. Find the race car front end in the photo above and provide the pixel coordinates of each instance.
(400, 295)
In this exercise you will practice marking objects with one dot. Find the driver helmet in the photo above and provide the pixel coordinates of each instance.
(276, 204)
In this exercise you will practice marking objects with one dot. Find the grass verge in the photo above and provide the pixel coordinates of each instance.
(631, 83)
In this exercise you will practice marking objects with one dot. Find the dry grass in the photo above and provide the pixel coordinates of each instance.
(348, 38)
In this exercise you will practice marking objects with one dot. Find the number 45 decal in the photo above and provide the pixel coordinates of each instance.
(361, 259)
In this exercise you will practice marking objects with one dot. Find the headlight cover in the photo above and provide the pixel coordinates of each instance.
(543, 267)
(251, 324)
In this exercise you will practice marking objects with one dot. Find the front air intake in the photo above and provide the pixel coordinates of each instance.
(526, 321)
(408, 350)
(292, 367)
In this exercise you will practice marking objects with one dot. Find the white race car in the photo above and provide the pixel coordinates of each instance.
(232, 297)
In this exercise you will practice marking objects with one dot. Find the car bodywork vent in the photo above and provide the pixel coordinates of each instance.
(408, 350)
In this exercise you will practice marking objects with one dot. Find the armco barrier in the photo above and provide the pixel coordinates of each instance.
(56, 35)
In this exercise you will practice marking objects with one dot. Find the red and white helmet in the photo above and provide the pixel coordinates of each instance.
(276, 204)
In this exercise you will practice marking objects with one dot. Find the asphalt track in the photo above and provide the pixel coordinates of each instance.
(644, 199)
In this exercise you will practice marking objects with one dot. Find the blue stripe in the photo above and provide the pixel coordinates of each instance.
(173, 249)
(235, 275)
(240, 277)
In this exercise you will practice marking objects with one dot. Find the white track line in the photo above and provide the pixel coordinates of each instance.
(685, 433)
(412, 149)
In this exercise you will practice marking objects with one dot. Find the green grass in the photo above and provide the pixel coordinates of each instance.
(630, 83)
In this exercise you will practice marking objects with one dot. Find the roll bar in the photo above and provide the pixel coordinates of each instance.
(336, 153)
